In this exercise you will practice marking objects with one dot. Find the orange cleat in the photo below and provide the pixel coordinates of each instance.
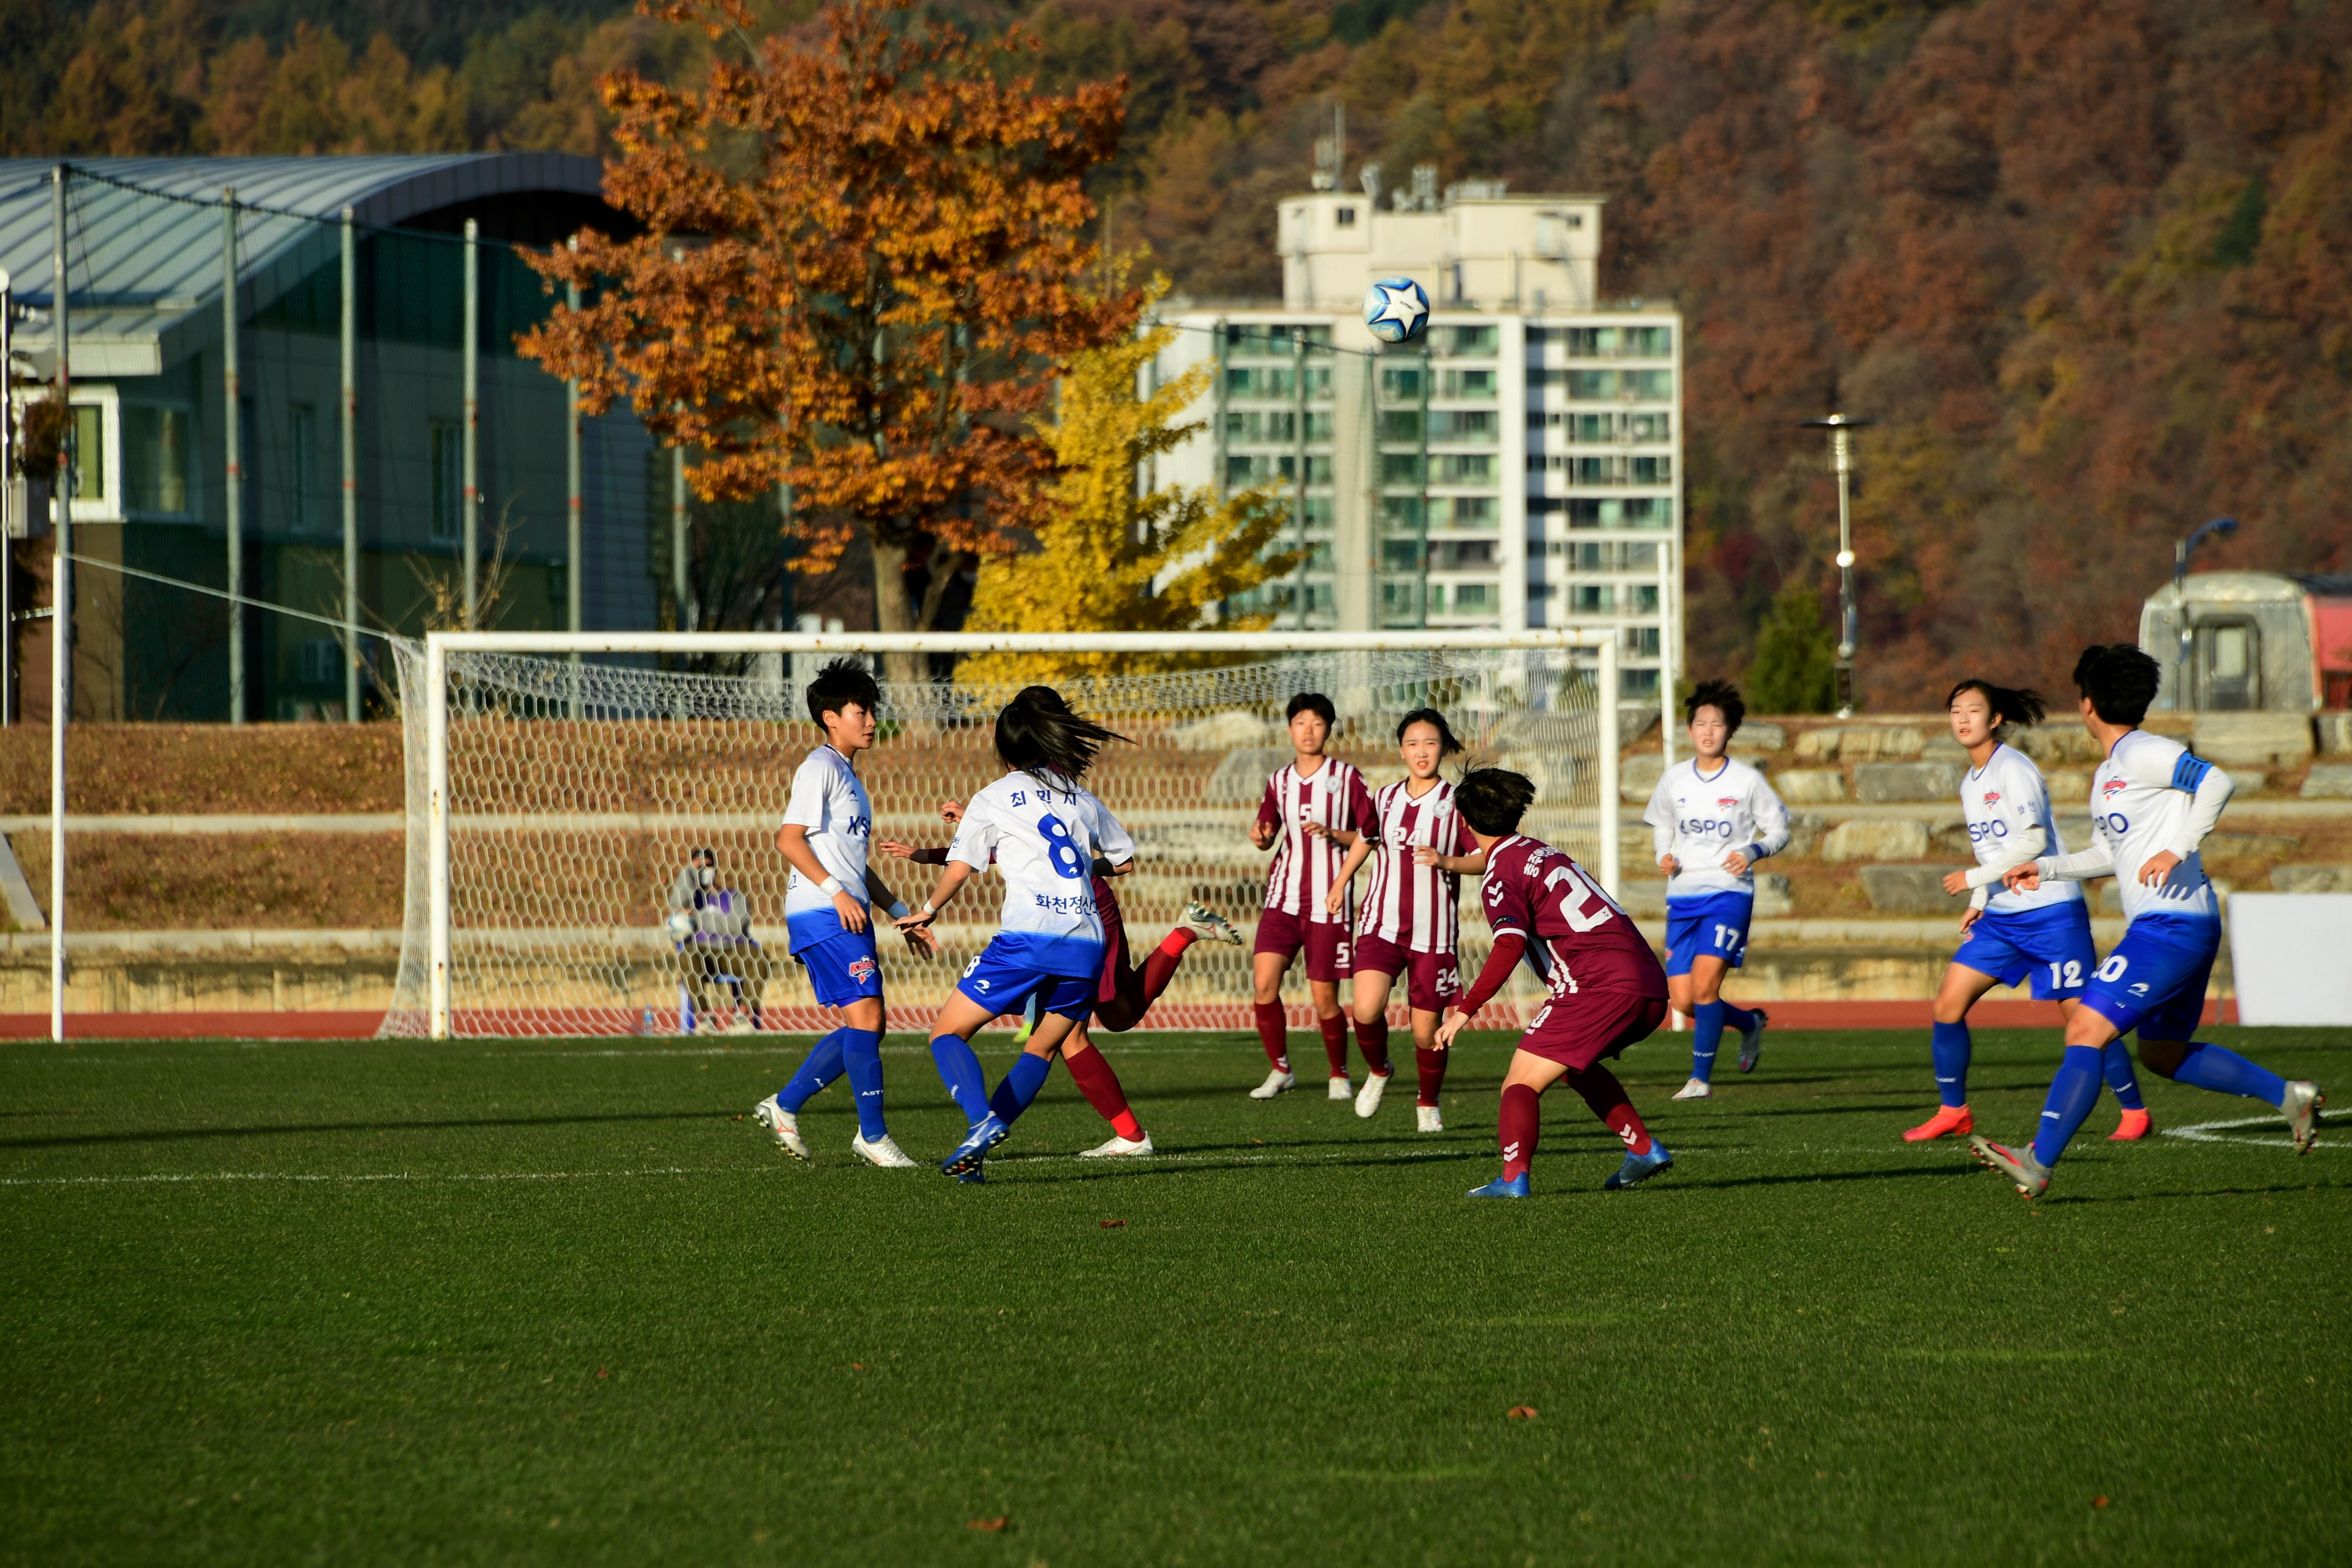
(2135, 1126)
(1949, 1121)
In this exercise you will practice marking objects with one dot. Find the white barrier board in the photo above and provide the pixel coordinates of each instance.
(2291, 956)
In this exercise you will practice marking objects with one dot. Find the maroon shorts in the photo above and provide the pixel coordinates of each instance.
(1581, 1027)
(1432, 979)
(1326, 942)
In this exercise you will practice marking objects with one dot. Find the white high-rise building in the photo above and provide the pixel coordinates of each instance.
(1517, 467)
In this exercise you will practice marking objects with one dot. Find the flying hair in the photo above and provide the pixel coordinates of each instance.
(1721, 696)
(839, 684)
(1037, 734)
(1446, 744)
(2119, 679)
(1492, 800)
(2016, 705)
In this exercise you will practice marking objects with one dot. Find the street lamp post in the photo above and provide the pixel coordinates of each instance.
(2225, 526)
(1842, 459)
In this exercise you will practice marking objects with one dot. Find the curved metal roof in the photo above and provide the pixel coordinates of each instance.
(140, 260)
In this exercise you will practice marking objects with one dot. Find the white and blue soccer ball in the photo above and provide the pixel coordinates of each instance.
(1396, 309)
(680, 925)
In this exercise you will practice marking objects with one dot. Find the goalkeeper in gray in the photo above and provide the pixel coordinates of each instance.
(711, 924)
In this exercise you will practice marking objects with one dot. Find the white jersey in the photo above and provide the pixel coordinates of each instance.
(2143, 803)
(2001, 802)
(1700, 819)
(829, 800)
(1044, 835)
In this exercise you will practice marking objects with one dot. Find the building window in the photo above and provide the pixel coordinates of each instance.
(1400, 425)
(1474, 598)
(1460, 469)
(1400, 467)
(88, 452)
(155, 458)
(1400, 513)
(1473, 426)
(1344, 217)
(448, 495)
(1474, 511)
(323, 662)
(1472, 339)
(301, 467)
(1400, 382)
(1468, 385)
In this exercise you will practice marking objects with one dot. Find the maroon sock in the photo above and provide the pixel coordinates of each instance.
(1335, 1042)
(1372, 1039)
(1273, 1035)
(1430, 1065)
(1160, 964)
(1515, 1127)
(1607, 1097)
(1100, 1085)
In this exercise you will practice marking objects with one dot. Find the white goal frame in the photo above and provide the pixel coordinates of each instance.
(1603, 638)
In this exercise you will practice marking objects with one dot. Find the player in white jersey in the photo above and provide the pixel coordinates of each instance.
(2153, 801)
(1411, 923)
(2005, 936)
(1711, 820)
(829, 920)
(1314, 810)
(1044, 833)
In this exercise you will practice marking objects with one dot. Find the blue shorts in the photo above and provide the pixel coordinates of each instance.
(2155, 980)
(2052, 944)
(843, 968)
(1713, 925)
(1004, 977)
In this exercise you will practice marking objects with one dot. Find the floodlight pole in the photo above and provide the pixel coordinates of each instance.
(61, 610)
(2225, 526)
(575, 565)
(1298, 474)
(233, 435)
(472, 434)
(1849, 632)
(351, 435)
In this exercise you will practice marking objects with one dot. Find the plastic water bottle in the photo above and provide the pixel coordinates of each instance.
(646, 1022)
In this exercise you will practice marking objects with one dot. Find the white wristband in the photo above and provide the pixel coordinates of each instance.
(830, 886)
(928, 911)
(898, 909)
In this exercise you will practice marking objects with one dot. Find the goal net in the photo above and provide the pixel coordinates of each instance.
(575, 789)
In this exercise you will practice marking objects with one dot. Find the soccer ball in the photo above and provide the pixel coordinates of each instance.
(1396, 309)
(680, 925)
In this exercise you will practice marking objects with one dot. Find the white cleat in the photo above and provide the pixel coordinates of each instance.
(1697, 1088)
(882, 1152)
(784, 1124)
(1275, 1083)
(741, 1024)
(1211, 925)
(1341, 1088)
(1117, 1147)
(1426, 1119)
(1368, 1098)
(2301, 1107)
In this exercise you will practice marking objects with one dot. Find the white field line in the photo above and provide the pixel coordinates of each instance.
(2213, 1132)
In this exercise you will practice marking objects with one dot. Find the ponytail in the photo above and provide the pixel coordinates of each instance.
(2009, 704)
(1036, 734)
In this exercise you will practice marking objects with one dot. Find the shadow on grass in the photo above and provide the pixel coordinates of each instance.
(2199, 1192)
(187, 1135)
(1795, 1180)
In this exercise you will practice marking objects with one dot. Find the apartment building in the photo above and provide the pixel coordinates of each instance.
(1517, 466)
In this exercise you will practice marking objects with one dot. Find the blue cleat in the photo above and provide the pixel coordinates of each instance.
(1639, 1168)
(1502, 1187)
(987, 1135)
(975, 1177)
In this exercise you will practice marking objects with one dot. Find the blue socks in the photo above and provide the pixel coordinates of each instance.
(960, 1070)
(2225, 1071)
(1020, 1086)
(2071, 1094)
(821, 1067)
(1739, 1020)
(1949, 1045)
(861, 1055)
(1707, 1034)
(2120, 1077)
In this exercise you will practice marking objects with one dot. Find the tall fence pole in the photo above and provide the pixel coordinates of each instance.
(473, 496)
(1668, 655)
(233, 434)
(351, 471)
(679, 523)
(61, 612)
(1611, 825)
(576, 557)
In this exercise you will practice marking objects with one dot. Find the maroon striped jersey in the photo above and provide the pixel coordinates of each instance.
(1416, 907)
(1578, 939)
(1305, 866)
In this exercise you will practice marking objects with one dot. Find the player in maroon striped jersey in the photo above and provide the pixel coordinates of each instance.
(1411, 922)
(1607, 989)
(1315, 809)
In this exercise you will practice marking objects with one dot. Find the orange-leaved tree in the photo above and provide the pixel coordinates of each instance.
(859, 266)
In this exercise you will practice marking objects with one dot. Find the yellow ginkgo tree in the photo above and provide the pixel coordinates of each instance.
(1112, 555)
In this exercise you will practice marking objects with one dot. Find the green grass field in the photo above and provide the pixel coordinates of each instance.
(483, 1301)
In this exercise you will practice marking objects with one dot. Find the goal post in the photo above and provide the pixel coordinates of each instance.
(558, 781)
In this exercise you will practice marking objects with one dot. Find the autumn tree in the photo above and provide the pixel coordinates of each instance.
(1112, 555)
(860, 264)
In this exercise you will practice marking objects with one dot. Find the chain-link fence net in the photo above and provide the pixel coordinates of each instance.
(578, 792)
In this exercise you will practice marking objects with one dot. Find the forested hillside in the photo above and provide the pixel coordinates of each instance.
(2084, 259)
